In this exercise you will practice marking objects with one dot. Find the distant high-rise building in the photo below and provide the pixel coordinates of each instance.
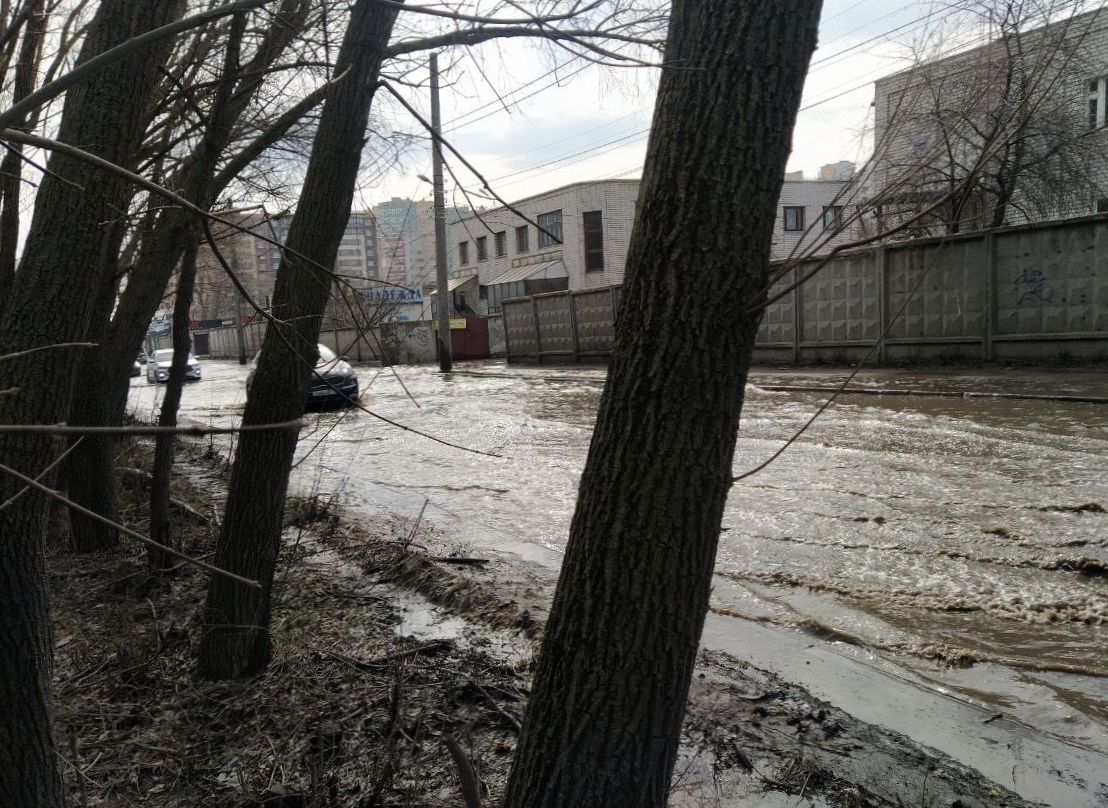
(255, 262)
(398, 237)
(406, 234)
(842, 170)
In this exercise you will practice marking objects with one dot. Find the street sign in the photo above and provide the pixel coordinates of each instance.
(456, 324)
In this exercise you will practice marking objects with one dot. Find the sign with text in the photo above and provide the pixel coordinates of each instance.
(456, 324)
(392, 294)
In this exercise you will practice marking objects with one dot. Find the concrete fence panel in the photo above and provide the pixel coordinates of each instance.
(842, 303)
(1052, 281)
(945, 290)
(520, 327)
(595, 315)
(555, 323)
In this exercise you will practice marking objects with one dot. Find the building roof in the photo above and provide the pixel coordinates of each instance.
(525, 271)
(455, 283)
(560, 189)
(962, 53)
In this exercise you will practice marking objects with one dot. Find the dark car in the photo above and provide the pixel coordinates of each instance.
(157, 367)
(333, 383)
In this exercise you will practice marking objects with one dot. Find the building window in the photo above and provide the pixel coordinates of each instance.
(523, 239)
(594, 240)
(832, 218)
(550, 229)
(1102, 205)
(463, 252)
(794, 219)
(1097, 102)
(501, 241)
(482, 248)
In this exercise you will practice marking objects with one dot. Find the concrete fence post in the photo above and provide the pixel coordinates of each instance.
(572, 300)
(882, 300)
(798, 302)
(536, 329)
(987, 350)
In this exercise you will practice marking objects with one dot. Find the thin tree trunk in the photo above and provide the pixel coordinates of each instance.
(11, 167)
(107, 373)
(62, 264)
(604, 718)
(235, 642)
(163, 446)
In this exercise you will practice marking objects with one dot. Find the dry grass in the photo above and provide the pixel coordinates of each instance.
(348, 714)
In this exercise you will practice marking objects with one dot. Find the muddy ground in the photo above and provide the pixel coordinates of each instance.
(384, 658)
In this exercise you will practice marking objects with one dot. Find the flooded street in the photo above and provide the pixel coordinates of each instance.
(920, 561)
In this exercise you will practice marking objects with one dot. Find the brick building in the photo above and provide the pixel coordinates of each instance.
(1023, 114)
(586, 231)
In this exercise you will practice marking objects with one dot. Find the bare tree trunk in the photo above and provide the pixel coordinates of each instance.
(215, 135)
(235, 642)
(105, 379)
(11, 167)
(106, 375)
(51, 297)
(164, 444)
(604, 718)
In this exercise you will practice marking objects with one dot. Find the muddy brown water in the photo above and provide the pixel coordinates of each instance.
(927, 553)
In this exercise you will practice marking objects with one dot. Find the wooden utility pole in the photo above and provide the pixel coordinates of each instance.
(446, 360)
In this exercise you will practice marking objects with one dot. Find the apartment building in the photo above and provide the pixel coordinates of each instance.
(255, 262)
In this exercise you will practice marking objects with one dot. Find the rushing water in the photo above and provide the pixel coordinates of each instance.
(963, 539)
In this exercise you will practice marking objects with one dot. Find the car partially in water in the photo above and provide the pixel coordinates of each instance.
(157, 367)
(333, 384)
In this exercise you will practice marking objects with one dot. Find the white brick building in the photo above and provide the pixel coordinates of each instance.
(1032, 98)
(499, 255)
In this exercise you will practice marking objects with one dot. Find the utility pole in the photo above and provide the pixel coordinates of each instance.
(446, 360)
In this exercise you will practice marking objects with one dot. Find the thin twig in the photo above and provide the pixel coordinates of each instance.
(18, 354)
(50, 492)
(42, 473)
(65, 429)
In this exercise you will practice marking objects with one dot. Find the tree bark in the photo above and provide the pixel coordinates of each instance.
(164, 444)
(215, 135)
(106, 374)
(235, 641)
(70, 237)
(11, 167)
(604, 719)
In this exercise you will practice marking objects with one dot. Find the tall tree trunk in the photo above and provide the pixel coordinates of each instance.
(62, 264)
(11, 167)
(163, 446)
(106, 374)
(604, 718)
(235, 642)
(105, 379)
(215, 135)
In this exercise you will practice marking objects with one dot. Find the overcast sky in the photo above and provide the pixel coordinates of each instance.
(593, 124)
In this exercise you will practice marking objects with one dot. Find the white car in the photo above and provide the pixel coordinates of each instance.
(157, 368)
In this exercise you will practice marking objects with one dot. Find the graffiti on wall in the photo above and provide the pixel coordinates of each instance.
(1034, 288)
